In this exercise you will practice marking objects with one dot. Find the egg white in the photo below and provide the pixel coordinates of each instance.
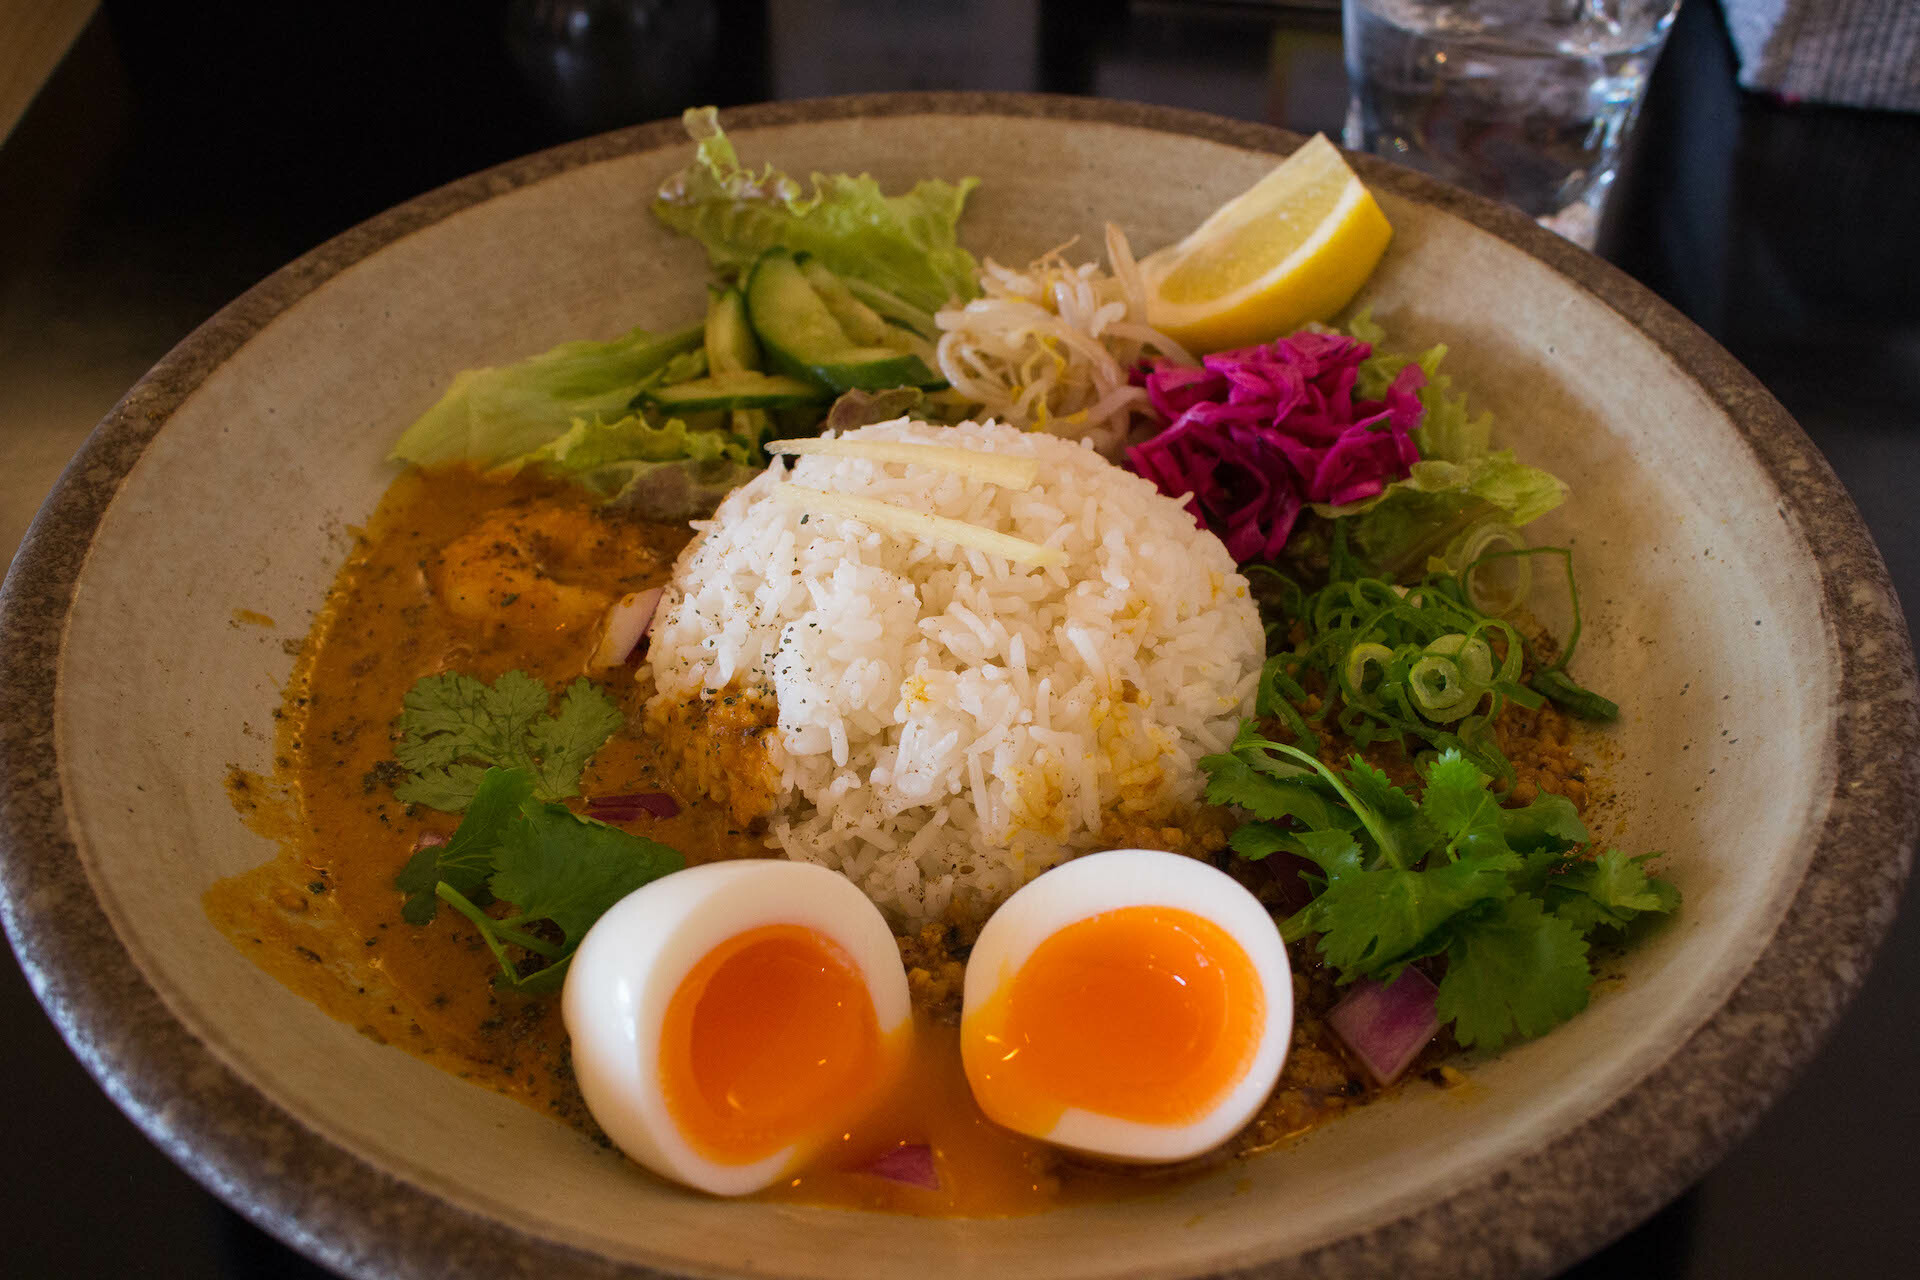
(1109, 881)
(633, 960)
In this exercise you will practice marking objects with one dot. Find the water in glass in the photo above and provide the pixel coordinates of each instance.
(1526, 101)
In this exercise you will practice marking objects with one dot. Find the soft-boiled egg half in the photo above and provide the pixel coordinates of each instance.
(1135, 1005)
(731, 1019)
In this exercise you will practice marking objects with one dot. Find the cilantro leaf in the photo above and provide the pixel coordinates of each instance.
(1372, 788)
(1389, 814)
(1458, 806)
(465, 861)
(1256, 840)
(1493, 889)
(1334, 852)
(546, 980)
(1517, 972)
(1611, 890)
(1373, 922)
(1338, 856)
(448, 788)
(564, 742)
(1231, 780)
(551, 864)
(417, 880)
(1549, 822)
(554, 865)
(454, 726)
(451, 715)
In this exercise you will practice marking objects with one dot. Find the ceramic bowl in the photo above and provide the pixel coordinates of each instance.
(1736, 609)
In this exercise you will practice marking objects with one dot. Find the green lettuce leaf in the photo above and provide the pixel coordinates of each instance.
(1460, 480)
(1417, 517)
(494, 415)
(905, 245)
(1446, 431)
(670, 470)
(602, 455)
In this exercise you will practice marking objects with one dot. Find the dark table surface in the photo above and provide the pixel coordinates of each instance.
(183, 150)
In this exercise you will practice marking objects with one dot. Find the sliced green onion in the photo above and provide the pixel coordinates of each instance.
(1441, 690)
(1467, 557)
(1342, 564)
(1276, 697)
(1573, 698)
(1422, 662)
(1477, 743)
(1359, 658)
(1519, 693)
(1474, 655)
(1573, 590)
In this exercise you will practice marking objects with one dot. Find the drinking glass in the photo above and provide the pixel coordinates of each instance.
(1526, 101)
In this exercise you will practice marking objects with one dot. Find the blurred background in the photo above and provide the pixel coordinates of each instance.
(158, 158)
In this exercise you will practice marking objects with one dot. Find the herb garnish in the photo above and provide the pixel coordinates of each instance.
(454, 727)
(496, 752)
(1503, 894)
(1408, 662)
(550, 863)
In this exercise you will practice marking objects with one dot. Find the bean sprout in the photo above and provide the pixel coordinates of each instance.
(1052, 348)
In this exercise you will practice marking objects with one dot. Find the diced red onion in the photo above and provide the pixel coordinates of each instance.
(624, 808)
(910, 1163)
(1387, 1026)
(627, 623)
(427, 840)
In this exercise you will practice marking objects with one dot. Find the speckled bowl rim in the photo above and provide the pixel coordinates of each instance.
(1532, 1216)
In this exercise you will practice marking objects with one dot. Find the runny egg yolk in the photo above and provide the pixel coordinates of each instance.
(1144, 1013)
(770, 1037)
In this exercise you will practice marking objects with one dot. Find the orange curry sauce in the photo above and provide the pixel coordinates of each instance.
(324, 917)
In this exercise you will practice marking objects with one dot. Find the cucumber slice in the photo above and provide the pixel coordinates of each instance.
(731, 346)
(860, 321)
(788, 316)
(894, 309)
(802, 338)
(741, 389)
(877, 369)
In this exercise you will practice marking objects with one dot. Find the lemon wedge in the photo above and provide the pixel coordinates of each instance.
(1294, 247)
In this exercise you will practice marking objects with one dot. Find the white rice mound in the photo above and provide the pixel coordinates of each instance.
(950, 723)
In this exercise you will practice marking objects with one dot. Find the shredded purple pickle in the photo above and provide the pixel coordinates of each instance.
(1256, 434)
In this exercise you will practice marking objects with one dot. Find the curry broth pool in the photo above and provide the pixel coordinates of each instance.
(324, 917)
